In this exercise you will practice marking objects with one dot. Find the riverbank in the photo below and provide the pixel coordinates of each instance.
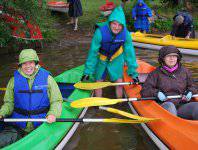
(85, 31)
(62, 35)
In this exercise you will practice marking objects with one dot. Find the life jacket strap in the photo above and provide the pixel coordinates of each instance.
(30, 91)
(116, 54)
(31, 112)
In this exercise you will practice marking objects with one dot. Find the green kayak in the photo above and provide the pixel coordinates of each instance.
(56, 135)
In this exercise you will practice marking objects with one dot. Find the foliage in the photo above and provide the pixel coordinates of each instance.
(162, 25)
(4, 34)
(29, 10)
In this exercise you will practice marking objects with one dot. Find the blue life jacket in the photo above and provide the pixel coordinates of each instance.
(142, 11)
(30, 103)
(110, 45)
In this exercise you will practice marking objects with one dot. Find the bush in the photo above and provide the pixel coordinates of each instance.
(30, 10)
(162, 25)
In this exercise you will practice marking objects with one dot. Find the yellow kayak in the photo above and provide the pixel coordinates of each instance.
(154, 41)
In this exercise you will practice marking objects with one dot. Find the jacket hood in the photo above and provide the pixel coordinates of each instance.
(165, 50)
(28, 55)
(141, 1)
(118, 15)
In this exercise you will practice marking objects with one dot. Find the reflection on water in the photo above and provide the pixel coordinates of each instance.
(93, 136)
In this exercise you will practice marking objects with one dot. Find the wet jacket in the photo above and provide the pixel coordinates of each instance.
(169, 83)
(110, 46)
(141, 13)
(94, 65)
(53, 93)
(30, 103)
(186, 27)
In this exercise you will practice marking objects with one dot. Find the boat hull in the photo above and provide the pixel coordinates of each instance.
(155, 42)
(58, 6)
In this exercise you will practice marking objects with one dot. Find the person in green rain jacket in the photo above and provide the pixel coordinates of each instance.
(111, 47)
(31, 93)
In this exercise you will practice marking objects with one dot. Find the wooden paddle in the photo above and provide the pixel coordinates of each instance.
(101, 101)
(98, 85)
(91, 120)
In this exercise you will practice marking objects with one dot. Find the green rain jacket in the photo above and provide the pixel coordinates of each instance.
(54, 95)
(94, 65)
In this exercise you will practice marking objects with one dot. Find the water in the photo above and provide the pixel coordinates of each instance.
(91, 135)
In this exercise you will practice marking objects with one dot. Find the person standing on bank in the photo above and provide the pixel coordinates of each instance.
(171, 78)
(31, 93)
(141, 14)
(75, 11)
(183, 26)
(111, 47)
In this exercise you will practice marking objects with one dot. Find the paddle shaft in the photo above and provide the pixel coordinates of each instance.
(57, 120)
(125, 83)
(151, 98)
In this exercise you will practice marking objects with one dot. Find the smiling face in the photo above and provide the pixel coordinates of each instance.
(116, 27)
(28, 67)
(170, 60)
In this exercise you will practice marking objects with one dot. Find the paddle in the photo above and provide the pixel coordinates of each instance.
(123, 113)
(100, 101)
(102, 120)
(98, 85)
(2, 89)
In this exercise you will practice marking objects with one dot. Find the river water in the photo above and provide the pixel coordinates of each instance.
(92, 136)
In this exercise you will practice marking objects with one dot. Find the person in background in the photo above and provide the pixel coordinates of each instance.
(123, 3)
(141, 14)
(111, 47)
(183, 26)
(172, 78)
(75, 11)
(31, 93)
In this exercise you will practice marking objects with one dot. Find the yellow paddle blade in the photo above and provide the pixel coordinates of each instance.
(94, 101)
(92, 86)
(126, 114)
(2, 89)
(116, 120)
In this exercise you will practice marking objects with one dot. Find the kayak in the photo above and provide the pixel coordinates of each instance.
(155, 42)
(107, 8)
(170, 132)
(59, 6)
(56, 135)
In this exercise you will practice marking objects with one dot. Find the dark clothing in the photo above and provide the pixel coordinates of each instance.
(75, 8)
(189, 111)
(169, 83)
(174, 82)
(10, 134)
(183, 29)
